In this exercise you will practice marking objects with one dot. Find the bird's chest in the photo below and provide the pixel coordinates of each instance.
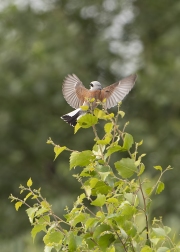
(95, 94)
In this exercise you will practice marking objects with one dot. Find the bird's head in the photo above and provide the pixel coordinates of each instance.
(95, 85)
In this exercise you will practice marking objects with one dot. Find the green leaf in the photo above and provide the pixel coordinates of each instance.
(58, 150)
(158, 167)
(103, 168)
(41, 211)
(141, 170)
(146, 249)
(101, 216)
(126, 167)
(87, 238)
(45, 204)
(81, 217)
(128, 141)
(77, 127)
(48, 248)
(99, 201)
(36, 229)
(88, 185)
(109, 116)
(87, 120)
(108, 127)
(87, 172)
(91, 222)
(99, 230)
(27, 196)
(136, 201)
(92, 182)
(102, 188)
(163, 249)
(45, 219)
(104, 175)
(49, 141)
(100, 114)
(97, 150)
(149, 203)
(91, 100)
(35, 197)
(149, 190)
(113, 149)
(112, 201)
(177, 247)
(53, 237)
(167, 229)
(31, 212)
(84, 108)
(72, 243)
(18, 205)
(111, 249)
(87, 189)
(121, 113)
(80, 198)
(130, 228)
(81, 158)
(105, 240)
(127, 210)
(160, 187)
(29, 182)
(130, 197)
(140, 143)
(160, 232)
(155, 240)
(106, 140)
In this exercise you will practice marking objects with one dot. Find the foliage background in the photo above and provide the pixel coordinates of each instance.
(43, 41)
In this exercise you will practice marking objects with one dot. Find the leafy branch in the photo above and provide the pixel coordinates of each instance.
(105, 216)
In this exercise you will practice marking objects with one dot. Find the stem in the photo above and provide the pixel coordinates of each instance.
(140, 185)
(132, 246)
(120, 240)
(145, 208)
(23, 202)
(158, 180)
(96, 135)
(89, 211)
(114, 134)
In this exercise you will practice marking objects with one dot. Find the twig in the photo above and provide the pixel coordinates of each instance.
(145, 209)
(96, 135)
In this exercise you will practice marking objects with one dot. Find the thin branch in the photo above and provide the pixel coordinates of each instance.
(140, 185)
(17, 199)
(120, 239)
(114, 133)
(145, 208)
(97, 137)
(90, 211)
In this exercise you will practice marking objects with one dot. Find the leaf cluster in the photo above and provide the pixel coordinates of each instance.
(112, 212)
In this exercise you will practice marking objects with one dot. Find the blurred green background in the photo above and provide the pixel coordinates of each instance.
(41, 42)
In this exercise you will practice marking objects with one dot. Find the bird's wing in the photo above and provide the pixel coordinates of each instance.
(117, 91)
(74, 91)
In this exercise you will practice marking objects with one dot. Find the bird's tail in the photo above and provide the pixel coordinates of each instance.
(72, 117)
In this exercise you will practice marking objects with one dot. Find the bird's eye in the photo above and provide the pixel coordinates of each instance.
(91, 84)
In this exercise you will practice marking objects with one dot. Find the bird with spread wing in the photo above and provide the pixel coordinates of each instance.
(77, 95)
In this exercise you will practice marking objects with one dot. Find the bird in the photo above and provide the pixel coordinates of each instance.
(76, 94)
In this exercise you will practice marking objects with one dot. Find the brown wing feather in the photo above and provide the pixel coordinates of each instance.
(117, 91)
(74, 91)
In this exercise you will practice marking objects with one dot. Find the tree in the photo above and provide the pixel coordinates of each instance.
(105, 217)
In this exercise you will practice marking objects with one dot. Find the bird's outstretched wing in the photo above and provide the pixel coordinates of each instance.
(74, 91)
(117, 91)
